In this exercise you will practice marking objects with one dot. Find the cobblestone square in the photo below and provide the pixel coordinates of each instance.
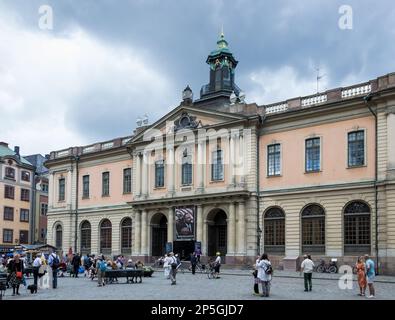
(233, 285)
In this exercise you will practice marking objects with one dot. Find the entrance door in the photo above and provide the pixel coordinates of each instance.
(159, 235)
(217, 234)
(184, 248)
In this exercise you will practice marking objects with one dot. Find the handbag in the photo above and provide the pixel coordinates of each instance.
(19, 274)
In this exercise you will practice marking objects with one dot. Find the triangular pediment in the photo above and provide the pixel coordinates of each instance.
(188, 117)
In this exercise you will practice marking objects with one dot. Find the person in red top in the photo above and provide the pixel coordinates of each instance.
(15, 268)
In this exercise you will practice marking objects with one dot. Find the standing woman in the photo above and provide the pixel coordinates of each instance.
(265, 274)
(15, 268)
(361, 273)
(217, 265)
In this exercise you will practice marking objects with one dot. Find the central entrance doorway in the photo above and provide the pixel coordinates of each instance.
(217, 232)
(184, 248)
(158, 235)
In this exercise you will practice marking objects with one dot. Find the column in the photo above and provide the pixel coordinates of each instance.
(137, 165)
(144, 237)
(200, 169)
(204, 243)
(231, 161)
(145, 175)
(231, 230)
(170, 225)
(199, 230)
(170, 169)
(137, 233)
(391, 139)
(243, 161)
(241, 230)
(51, 190)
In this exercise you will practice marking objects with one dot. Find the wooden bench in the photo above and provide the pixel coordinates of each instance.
(110, 275)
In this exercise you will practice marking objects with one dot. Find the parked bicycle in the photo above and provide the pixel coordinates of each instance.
(210, 271)
(330, 267)
(199, 267)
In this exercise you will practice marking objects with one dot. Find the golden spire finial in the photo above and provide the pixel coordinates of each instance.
(222, 31)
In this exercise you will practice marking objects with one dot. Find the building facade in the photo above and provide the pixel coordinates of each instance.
(311, 174)
(16, 195)
(40, 202)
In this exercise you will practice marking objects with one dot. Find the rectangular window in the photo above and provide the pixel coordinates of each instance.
(85, 186)
(186, 170)
(313, 154)
(9, 192)
(44, 209)
(105, 184)
(44, 187)
(356, 148)
(62, 185)
(25, 195)
(10, 173)
(8, 235)
(159, 174)
(217, 167)
(25, 176)
(24, 215)
(273, 160)
(23, 236)
(8, 214)
(127, 180)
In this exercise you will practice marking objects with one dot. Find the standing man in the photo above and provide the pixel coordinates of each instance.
(36, 268)
(54, 262)
(76, 262)
(307, 268)
(370, 274)
(173, 270)
(193, 262)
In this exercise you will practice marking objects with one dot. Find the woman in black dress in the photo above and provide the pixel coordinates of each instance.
(15, 268)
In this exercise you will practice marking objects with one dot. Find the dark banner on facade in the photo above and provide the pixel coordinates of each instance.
(185, 223)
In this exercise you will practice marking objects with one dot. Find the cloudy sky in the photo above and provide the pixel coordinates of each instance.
(106, 62)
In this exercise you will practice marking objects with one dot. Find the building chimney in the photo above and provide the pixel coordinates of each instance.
(16, 150)
(4, 144)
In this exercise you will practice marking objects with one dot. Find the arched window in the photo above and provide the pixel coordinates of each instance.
(85, 237)
(274, 226)
(58, 237)
(105, 237)
(357, 228)
(126, 236)
(313, 229)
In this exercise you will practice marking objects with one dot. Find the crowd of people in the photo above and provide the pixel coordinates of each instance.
(96, 266)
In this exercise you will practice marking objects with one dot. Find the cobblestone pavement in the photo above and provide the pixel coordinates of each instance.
(233, 285)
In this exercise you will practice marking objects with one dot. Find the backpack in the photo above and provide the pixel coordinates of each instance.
(55, 263)
(269, 269)
(102, 266)
(174, 263)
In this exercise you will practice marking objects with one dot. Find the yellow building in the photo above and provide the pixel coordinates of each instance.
(16, 192)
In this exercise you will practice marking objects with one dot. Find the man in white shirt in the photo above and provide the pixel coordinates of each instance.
(307, 268)
(36, 267)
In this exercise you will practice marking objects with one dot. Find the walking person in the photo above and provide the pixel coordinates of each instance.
(256, 279)
(217, 265)
(15, 268)
(76, 262)
(36, 268)
(361, 274)
(54, 262)
(307, 268)
(193, 262)
(167, 266)
(265, 271)
(173, 270)
(101, 267)
(370, 275)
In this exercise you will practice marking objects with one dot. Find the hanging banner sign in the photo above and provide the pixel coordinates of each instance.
(185, 223)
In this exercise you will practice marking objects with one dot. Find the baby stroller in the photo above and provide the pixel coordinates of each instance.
(62, 269)
(92, 272)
